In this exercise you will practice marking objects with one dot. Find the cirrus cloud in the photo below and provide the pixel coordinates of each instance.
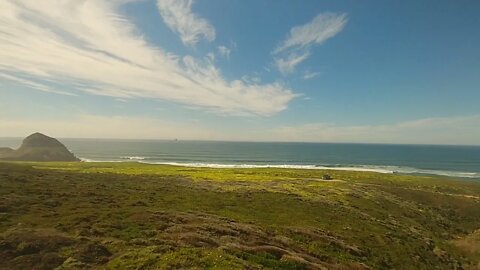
(178, 16)
(224, 51)
(91, 47)
(296, 46)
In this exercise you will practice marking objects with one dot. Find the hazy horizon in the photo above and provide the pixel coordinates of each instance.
(19, 138)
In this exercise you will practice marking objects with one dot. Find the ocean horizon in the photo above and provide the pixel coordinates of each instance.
(459, 161)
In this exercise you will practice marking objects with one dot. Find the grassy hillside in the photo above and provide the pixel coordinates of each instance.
(138, 216)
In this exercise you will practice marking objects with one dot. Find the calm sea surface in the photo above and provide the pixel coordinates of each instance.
(456, 161)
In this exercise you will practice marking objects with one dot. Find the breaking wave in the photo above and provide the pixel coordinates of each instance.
(134, 157)
(359, 168)
(338, 167)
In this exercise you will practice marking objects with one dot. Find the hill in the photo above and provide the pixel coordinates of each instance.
(130, 215)
(38, 147)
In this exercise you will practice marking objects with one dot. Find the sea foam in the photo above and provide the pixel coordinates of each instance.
(337, 167)
(133, 157)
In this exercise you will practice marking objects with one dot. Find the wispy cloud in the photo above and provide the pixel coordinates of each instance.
(254, 79)
(320, 29)
(91, 47)
(179, 17)
(224, 51)
(301, 38)
(310, 75)
(287, 64)
(32, 84)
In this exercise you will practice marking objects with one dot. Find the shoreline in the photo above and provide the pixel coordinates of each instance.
(386, 169)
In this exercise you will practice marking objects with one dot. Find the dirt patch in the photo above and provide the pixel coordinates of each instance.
(470, 243)
(321, 180)
(202, 230)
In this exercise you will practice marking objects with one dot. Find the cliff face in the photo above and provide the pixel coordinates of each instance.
(38, 147)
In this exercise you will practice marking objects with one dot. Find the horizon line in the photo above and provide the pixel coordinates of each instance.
(249, 141)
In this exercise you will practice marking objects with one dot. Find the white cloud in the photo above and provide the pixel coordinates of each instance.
(224, 51)
(254, 79)
(92, 48)
(310, 75)
(298, 42)
(178, 16)
(211, 57)
(287, 65)
(33, 84)
(321, 28)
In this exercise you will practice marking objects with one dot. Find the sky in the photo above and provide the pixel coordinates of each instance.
(245, 70)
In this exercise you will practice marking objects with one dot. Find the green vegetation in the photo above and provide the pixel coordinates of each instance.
(137, 216)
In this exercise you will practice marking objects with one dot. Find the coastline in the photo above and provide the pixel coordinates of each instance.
(336, 167)
(433, 160)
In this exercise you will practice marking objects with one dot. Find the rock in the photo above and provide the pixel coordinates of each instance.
(326, 177)
(38, 147)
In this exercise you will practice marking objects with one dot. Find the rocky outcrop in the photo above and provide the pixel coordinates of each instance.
(38, 147)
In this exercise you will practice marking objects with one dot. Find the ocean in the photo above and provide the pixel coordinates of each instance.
(453, 161)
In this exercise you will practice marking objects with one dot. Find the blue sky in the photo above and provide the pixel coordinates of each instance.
(326, 71)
